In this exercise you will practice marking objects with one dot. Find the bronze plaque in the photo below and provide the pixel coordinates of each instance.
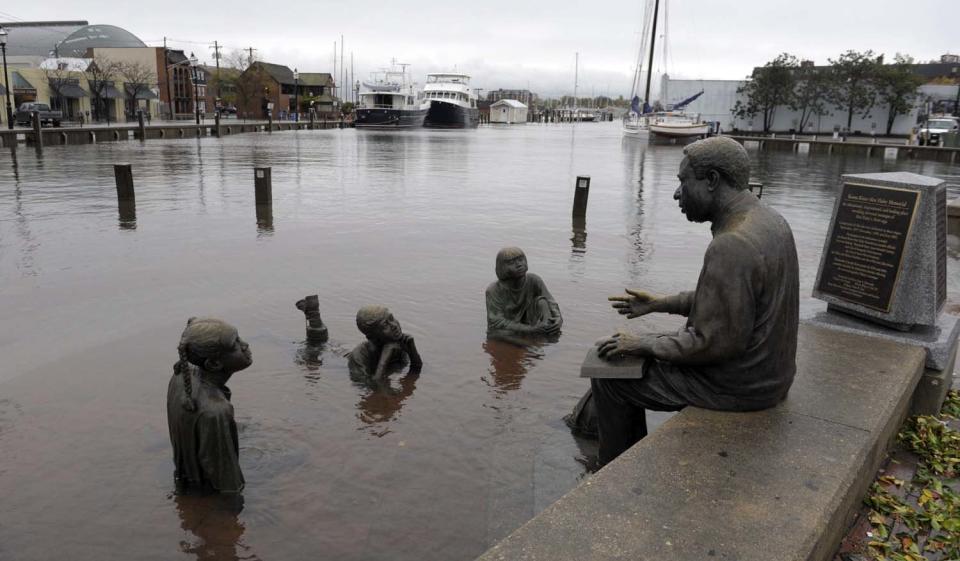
(865, 251)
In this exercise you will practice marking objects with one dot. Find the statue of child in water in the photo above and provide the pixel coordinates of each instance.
(199, 413)
(519, 302)
(386, 349)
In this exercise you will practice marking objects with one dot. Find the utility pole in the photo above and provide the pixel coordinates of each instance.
(166, 72)
(250, 55)
(216, 57)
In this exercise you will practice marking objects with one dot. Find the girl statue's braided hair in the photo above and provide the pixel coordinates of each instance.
(203, 338)
(182, 368)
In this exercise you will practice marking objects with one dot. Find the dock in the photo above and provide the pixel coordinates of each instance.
(889, 148)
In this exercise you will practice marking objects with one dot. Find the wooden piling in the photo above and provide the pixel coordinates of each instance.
(263, 185)
(141, 126)
(580, 195)
(216, 124)
(37, 133)
(123, 174)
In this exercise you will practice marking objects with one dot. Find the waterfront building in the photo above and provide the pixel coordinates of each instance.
(508, 111)
(265, 86)
(938, 93)
(50, 62)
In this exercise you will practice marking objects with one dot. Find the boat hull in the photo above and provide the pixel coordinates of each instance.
(450, 116)
(680, 130)
(390, 118)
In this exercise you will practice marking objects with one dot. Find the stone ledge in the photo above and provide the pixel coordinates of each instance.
(775, 484)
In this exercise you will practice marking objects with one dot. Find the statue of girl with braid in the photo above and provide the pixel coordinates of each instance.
(199, 413)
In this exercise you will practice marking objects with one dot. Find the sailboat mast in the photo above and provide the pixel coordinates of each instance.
(576, 77)
(653, 40)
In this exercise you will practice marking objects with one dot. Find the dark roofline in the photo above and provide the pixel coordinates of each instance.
(10, 24)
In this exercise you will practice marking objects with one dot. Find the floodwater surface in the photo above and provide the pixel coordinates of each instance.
(435, 467)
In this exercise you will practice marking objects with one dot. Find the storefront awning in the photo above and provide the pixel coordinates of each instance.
(21, 84)
(67, 89)
(110, 92)
(146, 95)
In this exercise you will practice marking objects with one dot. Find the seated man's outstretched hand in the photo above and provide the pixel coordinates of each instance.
(637, 303)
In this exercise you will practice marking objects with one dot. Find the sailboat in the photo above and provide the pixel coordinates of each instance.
(635, 123)
(671, 124)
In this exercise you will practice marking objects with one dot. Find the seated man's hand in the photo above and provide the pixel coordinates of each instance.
(622, 345)
(635, 304)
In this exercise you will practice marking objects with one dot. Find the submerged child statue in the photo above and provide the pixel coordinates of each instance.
(316, 330)
(199, 413)
(386, 350)
(519, 302)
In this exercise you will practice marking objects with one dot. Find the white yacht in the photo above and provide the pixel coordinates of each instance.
(453, 105)
(389, 100)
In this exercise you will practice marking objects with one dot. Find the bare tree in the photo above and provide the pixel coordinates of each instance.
(249, 81)
(138, 78)
(100, 73)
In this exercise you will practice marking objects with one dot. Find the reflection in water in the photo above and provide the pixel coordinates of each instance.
(128, 214)
(579, 238)
(510, 359)
(265, 219)
(381, 401)
(213, 521)
(635, 157)
(309, 356)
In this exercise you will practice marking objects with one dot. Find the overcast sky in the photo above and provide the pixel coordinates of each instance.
(516, 44)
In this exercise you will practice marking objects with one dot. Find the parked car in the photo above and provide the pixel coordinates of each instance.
(24, 114)
(932, 131)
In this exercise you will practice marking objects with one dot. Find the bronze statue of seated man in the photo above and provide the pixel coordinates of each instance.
(518, 303)
(737, 351)
(206, 454)
(387, 348)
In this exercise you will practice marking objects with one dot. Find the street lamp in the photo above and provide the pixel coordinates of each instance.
(296, 95)
(6, 77)
(196, 86)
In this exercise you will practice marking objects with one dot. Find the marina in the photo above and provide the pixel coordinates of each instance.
(438, 467)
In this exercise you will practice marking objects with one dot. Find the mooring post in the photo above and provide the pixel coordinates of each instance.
(580, 195)
(313, 115)
(37, 135)
(263, 185)
(141, 126)
(123, 174)
(270, 121)
(216, 124)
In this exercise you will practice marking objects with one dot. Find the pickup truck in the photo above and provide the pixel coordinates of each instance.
(24, 115)
(933, 131)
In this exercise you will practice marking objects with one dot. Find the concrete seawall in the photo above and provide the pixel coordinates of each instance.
(852, 146)
(91, 135)
(777, 484)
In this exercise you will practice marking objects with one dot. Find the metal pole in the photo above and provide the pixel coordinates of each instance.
(166, 72)
(196, 91)
(7, 87)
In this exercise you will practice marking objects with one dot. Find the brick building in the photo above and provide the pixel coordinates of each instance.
(264, 85)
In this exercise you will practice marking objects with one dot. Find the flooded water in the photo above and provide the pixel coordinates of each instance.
(431, 468)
